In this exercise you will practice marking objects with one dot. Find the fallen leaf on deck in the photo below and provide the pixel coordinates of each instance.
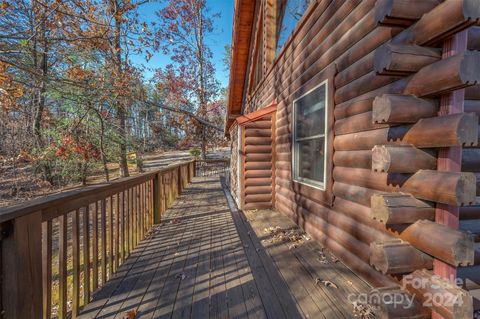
(363, 311)
(278, 234)
(181, 276)
(132, 314)
(326, 283)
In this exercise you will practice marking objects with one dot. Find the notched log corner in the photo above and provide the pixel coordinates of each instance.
(443, 297)
(400, 208)
(398, 257)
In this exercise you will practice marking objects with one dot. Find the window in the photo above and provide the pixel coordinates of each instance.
(309, 137)
(288, 14)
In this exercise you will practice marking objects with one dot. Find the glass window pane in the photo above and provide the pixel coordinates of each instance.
(311, 159)
(290, 12)
(310, 113)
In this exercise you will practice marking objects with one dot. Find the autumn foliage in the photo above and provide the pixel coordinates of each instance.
(74, 102)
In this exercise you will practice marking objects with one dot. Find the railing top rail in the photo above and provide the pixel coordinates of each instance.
(39, 204)
(214, 160)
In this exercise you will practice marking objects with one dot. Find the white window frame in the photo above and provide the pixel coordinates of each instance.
(295, 168)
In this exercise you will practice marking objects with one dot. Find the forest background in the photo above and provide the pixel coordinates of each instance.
(75, 106)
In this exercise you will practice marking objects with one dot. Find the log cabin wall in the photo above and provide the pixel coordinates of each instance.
(388, 77)
(258, 173)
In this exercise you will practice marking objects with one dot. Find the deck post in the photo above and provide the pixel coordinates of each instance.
(157, 198)
(179, 180)
(22, 268)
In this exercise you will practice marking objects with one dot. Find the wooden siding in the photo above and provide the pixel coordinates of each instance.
(258, 165)
(350, 37)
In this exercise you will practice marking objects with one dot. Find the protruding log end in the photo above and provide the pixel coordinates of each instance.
(452, 188)
(471, 10)
(473, 38)
(402, 12)
(398, 257)
(452, 246)
(397, 108)
(470, 68)
(446, 75)
(401, 159)
(443, 297)
(468, 136)
(396, 59)
(467, 189)
(393, 302)
(444, 131)
(380, 159)
(399, 208)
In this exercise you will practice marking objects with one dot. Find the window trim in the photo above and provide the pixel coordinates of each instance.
(301, 180)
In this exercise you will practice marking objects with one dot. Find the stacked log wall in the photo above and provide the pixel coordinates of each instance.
(258, 164)
(340, 36)
(344, 38)
(470, 216)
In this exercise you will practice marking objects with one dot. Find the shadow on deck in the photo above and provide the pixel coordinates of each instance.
(207, 260)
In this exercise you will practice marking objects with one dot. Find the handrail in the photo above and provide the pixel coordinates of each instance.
(12, 212)
(85, 234)
(212, 167)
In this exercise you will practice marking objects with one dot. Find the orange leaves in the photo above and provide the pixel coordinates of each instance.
(77, 73)
(4, 6)
(10, 91)
(69, 148)
(132, 314)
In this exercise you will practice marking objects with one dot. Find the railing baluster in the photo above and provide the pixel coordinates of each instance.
(129, 221)
(123, 227)
(103, 228)
(152, 200)
(147, 206)
(142, 210)
(142, 218)
(95, 246)
(150, 203)
(62, 266)
(86, 255)
(47, 268)
(117, 229)
(139, 213)
(163, 199)
(76, 263)
(110, 240)
(135, 216)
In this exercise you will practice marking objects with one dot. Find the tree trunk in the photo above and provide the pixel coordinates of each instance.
(121, 112)
(102, 147)
(123, 142)
(39, 95)
(204, 143)
(201, 91)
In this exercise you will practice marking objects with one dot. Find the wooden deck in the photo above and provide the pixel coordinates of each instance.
(206, 260)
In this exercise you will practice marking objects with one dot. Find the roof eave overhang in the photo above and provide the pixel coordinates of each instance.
(242, 29)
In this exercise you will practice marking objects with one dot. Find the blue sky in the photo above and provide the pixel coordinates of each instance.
(222, 36)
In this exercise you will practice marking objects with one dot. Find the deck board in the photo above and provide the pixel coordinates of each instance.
(207, 259)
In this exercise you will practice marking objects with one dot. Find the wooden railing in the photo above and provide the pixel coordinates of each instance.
(58, 250)
(212, 167)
